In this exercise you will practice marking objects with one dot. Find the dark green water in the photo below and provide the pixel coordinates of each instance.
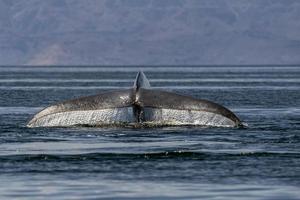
(260, 162)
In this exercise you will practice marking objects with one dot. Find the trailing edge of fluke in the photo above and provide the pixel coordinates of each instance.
(140, 105)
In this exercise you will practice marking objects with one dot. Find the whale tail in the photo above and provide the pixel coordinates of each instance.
(140, 104)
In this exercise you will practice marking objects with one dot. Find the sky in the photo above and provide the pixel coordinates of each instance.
(149, 32)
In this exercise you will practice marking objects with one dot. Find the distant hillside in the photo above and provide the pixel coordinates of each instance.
(149, 32)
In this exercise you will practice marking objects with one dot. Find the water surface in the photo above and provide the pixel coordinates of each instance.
(260, 162)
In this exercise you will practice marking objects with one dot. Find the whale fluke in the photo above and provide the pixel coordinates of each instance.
(140, 105)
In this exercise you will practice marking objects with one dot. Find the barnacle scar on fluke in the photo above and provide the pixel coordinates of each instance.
(140, 105)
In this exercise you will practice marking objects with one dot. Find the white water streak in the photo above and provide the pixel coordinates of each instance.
(189, 80)
(165, 87)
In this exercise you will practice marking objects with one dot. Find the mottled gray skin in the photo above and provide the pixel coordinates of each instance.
(139, 105)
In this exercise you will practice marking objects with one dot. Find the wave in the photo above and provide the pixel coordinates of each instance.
(155, 155)
(19, 110)
(160, 69)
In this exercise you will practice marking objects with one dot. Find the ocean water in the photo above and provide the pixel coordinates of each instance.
(259, 162)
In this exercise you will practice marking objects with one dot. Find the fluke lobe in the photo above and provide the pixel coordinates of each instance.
(140, 105)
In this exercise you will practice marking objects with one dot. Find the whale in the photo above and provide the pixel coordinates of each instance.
(139, 106)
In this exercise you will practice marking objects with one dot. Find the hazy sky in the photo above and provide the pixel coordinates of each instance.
(149, 32)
